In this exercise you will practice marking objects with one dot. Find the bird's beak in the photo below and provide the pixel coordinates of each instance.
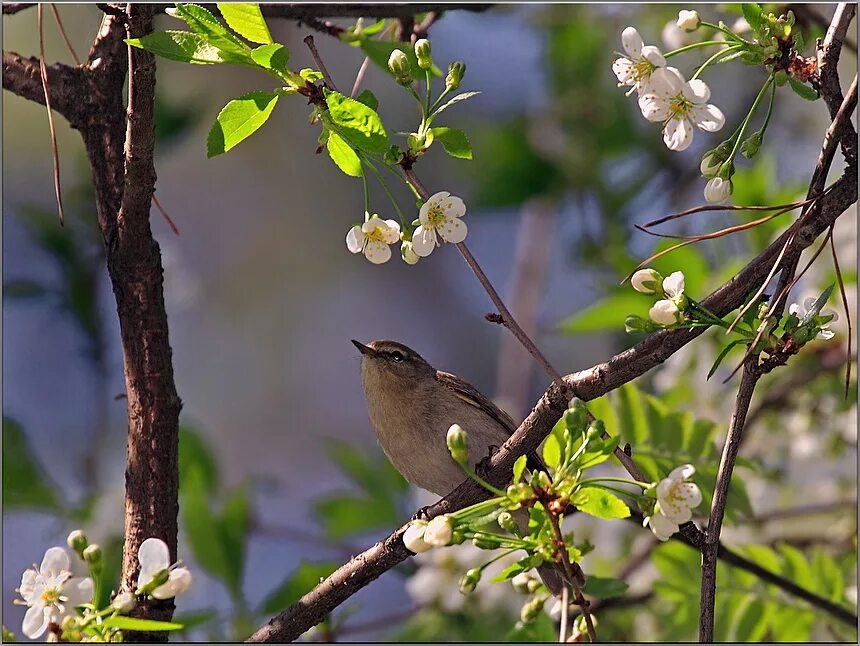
(364, 349)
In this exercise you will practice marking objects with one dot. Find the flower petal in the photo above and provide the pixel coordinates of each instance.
(696, 91)
(424, 241)
(675, 511)
(56, 560)
(664, 312)
(178, 582)
(653, 107)
(35, 621)
(683, 472)
(78, 591)
(632, 42)
(153, 556)
(796, 309)
(652, 55)
(708, 117)
(392, 233)
(453, 207)
(623, 69)
(666, 82)
(673, 285)
(662, 527)
(28, 584)
(453, 230)
(355, 239)
(678, 134)
(377, 252)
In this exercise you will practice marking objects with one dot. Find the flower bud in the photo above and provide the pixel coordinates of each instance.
(458, 444)
(77, 541)
(398, 63)
(576, 415)
(750, 146)
(543, 480)
(422, 52)
(407, 252)
(763, 310)
(534, 585)
(93, 555)
(124, 602)
(521, 581)
(456, 70)
(416, 143)
(665, 312)
(68, 622)
(413, 537)
(439, 531)
(634, 324)
(710, 165)
(688, 20)
(646, 281)
(506, 521)
(721, 153)
(531, 610)
(717, 190)
(469, 581)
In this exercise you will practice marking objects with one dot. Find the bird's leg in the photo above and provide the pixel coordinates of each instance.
(482, 469)
(422, 514)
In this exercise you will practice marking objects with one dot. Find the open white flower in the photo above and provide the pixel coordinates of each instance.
(439, 215)
(673, 285)
(800, 311)
(662, 527)
(718, 189)
(372, 239)
(635, 69)
(51, 592)
(680, 105)
(676, 496)
(154, 558)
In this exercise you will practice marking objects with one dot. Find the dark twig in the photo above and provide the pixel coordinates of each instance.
(11, 8)
(63, 33)
(322, 26)
(164, 214)
(55, 154)
(718, 506)
(579, 600)
(309, 41)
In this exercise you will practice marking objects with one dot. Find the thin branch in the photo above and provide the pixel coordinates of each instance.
(718, 505)
(309, 41)
(55, 154)
(375, 10)
(803, 510)
(829, 51)
(572, 578)
(63, 33)
(11, 8)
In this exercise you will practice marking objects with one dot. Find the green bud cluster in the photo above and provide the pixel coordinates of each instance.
(398, 64)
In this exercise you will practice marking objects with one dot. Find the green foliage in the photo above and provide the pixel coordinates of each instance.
(132, 623)
(26, 485)
(662, 439)
(238, 120)
(300, 581)
(344, 157)
(359, 124)
(802, 89)
(463, 96)
(600, 503)
(196, 457)
(604, 587)
(271, 57)
(203, 23)
(747, 609)
(454, 142)
(246, 20)
(184, 47)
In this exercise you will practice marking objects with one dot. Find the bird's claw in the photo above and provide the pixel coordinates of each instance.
(483, 467)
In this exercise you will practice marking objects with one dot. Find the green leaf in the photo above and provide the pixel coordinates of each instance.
(246, 19)
(343, 155)
(600, 503)
(202, 22)
(182, 46)
(722, 355)
(751, 621)
(239, 119)
(300, 581)
(454, 142)
(346, 515)
(607, 314)
(195, 454)
(604, 587)
(130, 623)
(234, 523)
(271, 57)
(368, 98)
(519, 467)
(357, 123)
(379, 51)
(802, 89)
(512, 570)
(456, 99)
(203, 529)
(373, 476)
(817, 305)
(25, 483)
(551, 452)
(752, 12)
(22, 288)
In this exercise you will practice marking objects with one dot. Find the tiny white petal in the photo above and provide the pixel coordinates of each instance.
(664, 312)
(662, 527)
(178, 582)
(377, 252)
(632, 42)
(424, 241)
(643, 276)
(78, 591)
(708, 117)
(652, 55)
(153, 556)
(392, 233)
(355, 239)
(413, 537)
(796, 309)
(683, 472)
(453, 231)
(673, 284)
(36, 621)
(56, 560)
(717, 189)
(678, 134)
(623, 69)
(697, 91)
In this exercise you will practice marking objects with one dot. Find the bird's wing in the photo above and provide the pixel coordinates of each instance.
(471, 395)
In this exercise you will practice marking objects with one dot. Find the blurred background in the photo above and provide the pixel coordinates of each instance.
(263, 298)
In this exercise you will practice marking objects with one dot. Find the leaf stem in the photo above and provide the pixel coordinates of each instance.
(686, 48)
(713, 58)
(747, 119)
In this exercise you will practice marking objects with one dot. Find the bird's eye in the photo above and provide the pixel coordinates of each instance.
(398, 356)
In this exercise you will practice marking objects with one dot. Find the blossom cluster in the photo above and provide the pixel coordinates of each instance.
(54, 595)
(669, 310)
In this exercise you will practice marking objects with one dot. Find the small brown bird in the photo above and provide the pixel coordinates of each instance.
(412, 405)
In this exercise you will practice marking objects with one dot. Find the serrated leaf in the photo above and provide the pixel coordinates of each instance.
(457, 99)
(600, 503)
(246, 19)
(301, 580)
(182, 46)
(510, 572)
(343, 155)
(551, 452)
(25, 483)
(271, 57)
(202, 22)
(604, 587)
(802, 89)
(519, 467)
(752, 13)
(239, 119)
(368, 98)
(131, 623)
(454, 142)
(357, 123)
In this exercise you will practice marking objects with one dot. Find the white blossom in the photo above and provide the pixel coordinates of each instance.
(635, 69)
(676, 496)
(665, 312)
(825, 333)
(718, 189)
(413, 537)
(372, 239)
(441, 214)
(407, 252)
(154, 558)
(124, 602)
(439, 531)
(674, 38)
(688, 20)
(673, 285)
(662, 527)
(645, 281)
(51, 592)
(679, 105)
